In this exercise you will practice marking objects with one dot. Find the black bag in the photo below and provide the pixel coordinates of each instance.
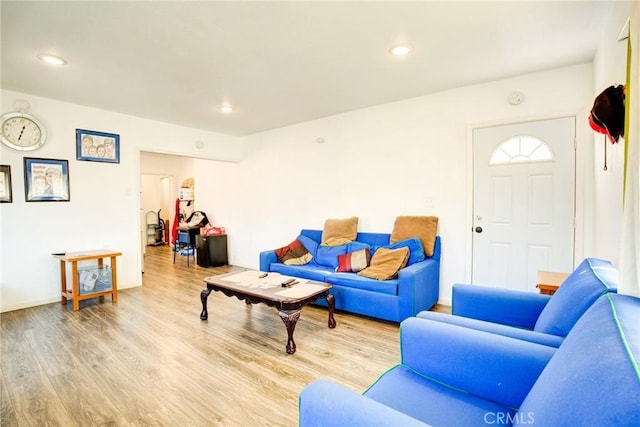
(607, 114)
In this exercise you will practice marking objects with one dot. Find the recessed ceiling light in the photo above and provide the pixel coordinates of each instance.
(52, 59)
(226, 109)
(400, 50)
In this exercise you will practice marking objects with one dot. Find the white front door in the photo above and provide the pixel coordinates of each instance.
(523, 202)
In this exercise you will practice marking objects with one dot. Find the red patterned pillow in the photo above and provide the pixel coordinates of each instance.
(294, 254)
(354, 261)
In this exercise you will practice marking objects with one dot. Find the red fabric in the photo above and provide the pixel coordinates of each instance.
(176, 220)
(354, 261)
(600, 129)
(293, 254)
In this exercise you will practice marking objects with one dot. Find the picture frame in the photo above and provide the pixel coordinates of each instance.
(96, 146)
(46, 180)
(6, 192)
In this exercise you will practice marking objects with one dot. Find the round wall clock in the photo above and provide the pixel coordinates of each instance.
(22, 131)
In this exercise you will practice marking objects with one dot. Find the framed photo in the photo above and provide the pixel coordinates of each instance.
(97, 146)
(46, 180)
(6, 195)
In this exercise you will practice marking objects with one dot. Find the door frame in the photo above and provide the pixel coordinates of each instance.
(584, 174)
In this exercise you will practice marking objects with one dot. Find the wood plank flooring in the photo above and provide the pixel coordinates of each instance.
(148, 360)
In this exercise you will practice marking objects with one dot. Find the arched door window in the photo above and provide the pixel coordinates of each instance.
(521, 149)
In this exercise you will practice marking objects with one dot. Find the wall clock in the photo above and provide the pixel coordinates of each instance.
(22, 131)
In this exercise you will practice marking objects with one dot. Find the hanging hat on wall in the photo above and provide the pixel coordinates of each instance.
(607, 114)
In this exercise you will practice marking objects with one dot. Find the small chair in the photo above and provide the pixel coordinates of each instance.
(184, 247)
(543, 319)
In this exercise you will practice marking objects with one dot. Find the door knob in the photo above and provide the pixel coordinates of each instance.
(478, 229)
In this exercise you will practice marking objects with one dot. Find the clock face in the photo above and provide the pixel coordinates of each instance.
(22, 132)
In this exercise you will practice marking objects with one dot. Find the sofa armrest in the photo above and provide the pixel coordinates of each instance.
(418, 287)
(495, 328)
(266, 259)
(504, 306)
(323, 403)
(499, 368)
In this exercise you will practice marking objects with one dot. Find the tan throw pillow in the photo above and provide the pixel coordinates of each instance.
(338, 232)
(424, 228)
(386, 263)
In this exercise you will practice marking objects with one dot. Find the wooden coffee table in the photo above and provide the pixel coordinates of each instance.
(253, 289)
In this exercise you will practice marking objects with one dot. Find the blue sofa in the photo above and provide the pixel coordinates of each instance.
(543, 319)
(451, 375)
(417, 287)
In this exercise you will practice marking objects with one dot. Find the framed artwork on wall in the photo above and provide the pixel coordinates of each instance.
(6, 194)
(97, 146)
(46, 180)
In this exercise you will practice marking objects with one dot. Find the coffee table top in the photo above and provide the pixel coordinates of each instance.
(249, 283)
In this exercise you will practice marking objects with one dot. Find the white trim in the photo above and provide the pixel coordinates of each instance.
(29, 304)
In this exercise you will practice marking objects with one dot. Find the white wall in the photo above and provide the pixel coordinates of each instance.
(375, 163)
(609, 67)
(104, 207)
(381, 162)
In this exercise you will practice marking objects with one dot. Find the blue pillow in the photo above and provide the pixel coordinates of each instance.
(416, 251)
(374, 248)
(310, 244)
(357, 246)
(328, 255)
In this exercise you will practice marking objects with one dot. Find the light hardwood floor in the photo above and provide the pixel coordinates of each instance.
(148, 360)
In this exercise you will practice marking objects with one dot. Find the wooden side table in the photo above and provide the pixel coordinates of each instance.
(549, 281)
(74, 293)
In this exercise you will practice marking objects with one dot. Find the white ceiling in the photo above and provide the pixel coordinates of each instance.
(280, 63)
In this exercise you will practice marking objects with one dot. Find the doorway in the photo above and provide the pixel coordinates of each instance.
(155, 202)
(523, 202)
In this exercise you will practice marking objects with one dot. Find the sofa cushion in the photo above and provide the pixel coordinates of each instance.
(354, 281)
(592, 278)
(354, 261)
(339, 231)
(416, 251)
(422, 227)
(293, 254)
(386, 263)
(328, 255)
(433, 403)
(309, 271)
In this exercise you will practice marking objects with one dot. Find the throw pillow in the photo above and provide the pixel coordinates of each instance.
(338, 232)
(327, 256)
(356, 246)
(416, 251)
(310, 244)
(423, 227)
(386, 263)
(293, 254)
(354, 261)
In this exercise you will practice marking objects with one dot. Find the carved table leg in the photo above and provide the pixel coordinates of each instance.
(331, 301)
(290, 318)
(203, 297)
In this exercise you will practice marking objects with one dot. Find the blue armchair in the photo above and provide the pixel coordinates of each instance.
(451, 375)
(542, 319)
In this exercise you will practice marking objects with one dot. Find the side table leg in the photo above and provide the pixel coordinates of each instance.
(331, 301)
(203, 297)
(75, 289)
(63, 281)
(290, 318)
